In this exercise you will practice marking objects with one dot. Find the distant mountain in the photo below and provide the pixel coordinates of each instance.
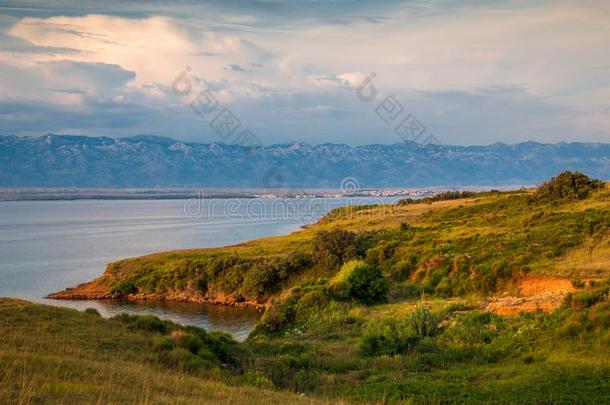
(148, 161)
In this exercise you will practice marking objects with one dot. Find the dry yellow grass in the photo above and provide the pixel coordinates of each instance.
(589, 260)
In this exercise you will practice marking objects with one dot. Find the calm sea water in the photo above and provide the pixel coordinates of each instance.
(46, 246)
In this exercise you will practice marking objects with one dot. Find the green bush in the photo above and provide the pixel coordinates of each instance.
(568, 185)
(423, 322)
(475, 328)
(183, 360)
(92, 311)
(404, 268)
(258, 379)
(360, 281)
(124, 288)
(278, 316)
(333, 248)
(586, 299)
(150, 323)
(390, 336)
(186, 348)
(267, 275)
(307, 301)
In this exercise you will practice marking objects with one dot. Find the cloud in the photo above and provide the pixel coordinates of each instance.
(474, 72)
(234, 67)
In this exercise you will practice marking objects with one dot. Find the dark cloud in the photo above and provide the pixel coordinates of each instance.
(204, 53)
(267, 14)
(67, 91)
(234, 67)
(333, 79)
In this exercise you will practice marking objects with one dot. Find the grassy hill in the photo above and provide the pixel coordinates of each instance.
(447, 247)
(57, 355)
(403, 302)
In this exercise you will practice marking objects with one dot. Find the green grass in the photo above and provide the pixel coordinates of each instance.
(469, 356)
(56, 355)
(446, 247)
(428, 342)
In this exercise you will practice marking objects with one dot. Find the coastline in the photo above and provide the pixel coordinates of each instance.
(76, 295)
(94, 291)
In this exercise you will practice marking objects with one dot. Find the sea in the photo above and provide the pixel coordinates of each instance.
(46, 246)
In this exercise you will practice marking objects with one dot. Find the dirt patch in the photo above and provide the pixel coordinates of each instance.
(538, 285)
(536, 293)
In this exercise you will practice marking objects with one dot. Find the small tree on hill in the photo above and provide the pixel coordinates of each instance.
(333, 248)
(568, 185)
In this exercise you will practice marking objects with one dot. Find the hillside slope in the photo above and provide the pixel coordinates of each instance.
(482, 245)
(478, 298)
(56, 355)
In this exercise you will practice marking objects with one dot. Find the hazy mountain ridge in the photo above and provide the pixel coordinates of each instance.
(150, 161)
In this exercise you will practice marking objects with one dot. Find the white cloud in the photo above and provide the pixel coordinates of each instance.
(554, 53)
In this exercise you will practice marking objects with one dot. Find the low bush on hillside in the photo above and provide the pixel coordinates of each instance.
(335, 247)
(391, 336)
(267, 275)
(304, 302)
(92, 311)
(568, 185)
(360, 281)
(186, 348)
(585, 299)
(586, 316)
(125, 287)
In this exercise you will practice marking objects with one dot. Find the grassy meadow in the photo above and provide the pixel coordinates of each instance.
(376, 304)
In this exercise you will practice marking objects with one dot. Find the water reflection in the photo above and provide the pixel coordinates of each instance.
(239, 322)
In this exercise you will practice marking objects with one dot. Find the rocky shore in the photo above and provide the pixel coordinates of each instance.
(94, 290)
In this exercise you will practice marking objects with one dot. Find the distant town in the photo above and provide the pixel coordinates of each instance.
(45, 194)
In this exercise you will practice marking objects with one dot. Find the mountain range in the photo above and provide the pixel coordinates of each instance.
(151, 161)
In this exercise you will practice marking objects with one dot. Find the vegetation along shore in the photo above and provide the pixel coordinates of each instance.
(462, 297)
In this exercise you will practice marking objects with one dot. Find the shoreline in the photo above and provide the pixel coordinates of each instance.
(87, 291)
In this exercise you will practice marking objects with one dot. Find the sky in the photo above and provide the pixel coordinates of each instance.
(466, 72)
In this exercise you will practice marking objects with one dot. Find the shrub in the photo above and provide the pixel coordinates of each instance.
(403, 269)
(333, 248)
(360, 281)
(568, 185)
(124, 288)
(423, 322)
(391, 336)
(267, 275)
(92, 311)
(278, 316)
(388, 337)
(183, 360)
(475, 328)
(192, 343)
(202, 282)
(379, 254)
(150, 323)
(259, 379)
(586, 299)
